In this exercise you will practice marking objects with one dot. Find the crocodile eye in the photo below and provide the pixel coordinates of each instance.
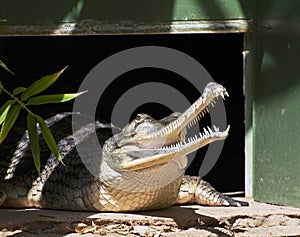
(138, 118)
(129, 134)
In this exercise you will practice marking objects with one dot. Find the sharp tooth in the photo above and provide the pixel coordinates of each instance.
(200, 135)
(209, 129)
(205, 131)
(173, 126)
(223, 96)
(216, 129)
(194, 121)
(226, 93)
(195, 138)
(213, 102)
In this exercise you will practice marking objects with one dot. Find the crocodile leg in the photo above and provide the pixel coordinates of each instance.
(195, 190)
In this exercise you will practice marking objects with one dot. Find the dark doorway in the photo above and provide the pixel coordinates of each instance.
(221, 55)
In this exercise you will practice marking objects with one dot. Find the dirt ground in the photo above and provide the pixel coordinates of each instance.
(259, 219)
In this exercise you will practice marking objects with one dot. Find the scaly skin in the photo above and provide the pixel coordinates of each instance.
(141, 168)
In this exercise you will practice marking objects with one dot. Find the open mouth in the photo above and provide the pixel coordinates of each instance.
(190, 118)
(161, 146)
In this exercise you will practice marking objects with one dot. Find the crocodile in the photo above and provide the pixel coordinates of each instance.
(141, 167)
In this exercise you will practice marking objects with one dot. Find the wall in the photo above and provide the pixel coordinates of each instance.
(277, 102)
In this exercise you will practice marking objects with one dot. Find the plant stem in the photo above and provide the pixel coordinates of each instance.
(16, 99)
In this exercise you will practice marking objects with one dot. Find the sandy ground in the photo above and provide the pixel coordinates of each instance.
(259, 219)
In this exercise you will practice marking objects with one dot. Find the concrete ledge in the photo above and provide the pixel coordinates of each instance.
(191, 220)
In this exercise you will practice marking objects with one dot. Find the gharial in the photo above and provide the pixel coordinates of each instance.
(141, 168)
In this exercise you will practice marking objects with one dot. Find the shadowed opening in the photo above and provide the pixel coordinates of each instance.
(221, 54)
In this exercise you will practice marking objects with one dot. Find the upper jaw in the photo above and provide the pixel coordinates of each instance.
(175, 126)
(194, 113)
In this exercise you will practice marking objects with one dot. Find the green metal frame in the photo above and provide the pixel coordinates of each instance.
(87, 17)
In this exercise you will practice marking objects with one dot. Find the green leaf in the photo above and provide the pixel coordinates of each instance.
(48, 137)
(18, 90)
(4, 110)
(34, 141)
(40, 85)
(9, 121)
(2, 64)
(48, 99)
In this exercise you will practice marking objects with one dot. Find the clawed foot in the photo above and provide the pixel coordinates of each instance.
(195, 190)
